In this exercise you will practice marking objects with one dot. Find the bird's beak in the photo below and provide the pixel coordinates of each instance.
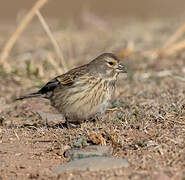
(121, 69)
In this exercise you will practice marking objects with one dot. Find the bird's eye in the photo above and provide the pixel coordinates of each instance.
(111, 63)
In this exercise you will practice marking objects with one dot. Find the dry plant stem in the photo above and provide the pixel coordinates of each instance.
(175, 47)
(151, 53)
(167, 51)
(179, 78)
(54, 42)
(179, 32)
(169, 47)
(53, 63)
(8, 46)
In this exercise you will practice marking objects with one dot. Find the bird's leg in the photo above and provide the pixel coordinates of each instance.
(96, 118)
(47, 124)
(67, 123)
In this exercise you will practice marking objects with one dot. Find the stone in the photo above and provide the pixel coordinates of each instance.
(89, 151)
(50, 117)
(92, 164)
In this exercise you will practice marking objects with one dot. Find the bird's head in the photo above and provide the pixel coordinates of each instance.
(108, 65)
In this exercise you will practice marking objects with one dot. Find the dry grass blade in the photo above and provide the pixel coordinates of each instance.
(128, 51)
(166, 51)
(51, 60)
(8, 46)
(170, 47)
(54, 42)
(179, 78)
(154, 53)
(179, 32)
(175, 47)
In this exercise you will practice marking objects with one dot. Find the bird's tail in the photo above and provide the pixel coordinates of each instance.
(44, 92)
(32, 95)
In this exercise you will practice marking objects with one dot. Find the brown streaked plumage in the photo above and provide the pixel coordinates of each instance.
(85, 91)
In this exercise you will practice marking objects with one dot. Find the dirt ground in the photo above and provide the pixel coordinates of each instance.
(145, 125)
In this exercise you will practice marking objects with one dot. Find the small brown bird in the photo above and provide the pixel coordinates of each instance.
(83, 92)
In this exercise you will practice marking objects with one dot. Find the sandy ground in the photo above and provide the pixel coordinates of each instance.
(145, 125)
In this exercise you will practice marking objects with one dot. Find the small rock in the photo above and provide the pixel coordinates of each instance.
(89, 151)
(162, 176)
(92, 164)
(49, 117)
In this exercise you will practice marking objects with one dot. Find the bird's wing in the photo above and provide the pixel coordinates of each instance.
(50, 86)
(68, 78)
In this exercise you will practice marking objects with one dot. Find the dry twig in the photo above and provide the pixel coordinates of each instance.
(169, 48)
(54, 42)
(178, 33)
(167, 51)
(175, 47)
(8, 46)
(51, 60)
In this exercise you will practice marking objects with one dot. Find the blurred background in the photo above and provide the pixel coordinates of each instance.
(85, 29)
(121, 8)
(69, 9)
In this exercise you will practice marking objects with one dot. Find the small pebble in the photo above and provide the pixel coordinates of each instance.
(92, 164)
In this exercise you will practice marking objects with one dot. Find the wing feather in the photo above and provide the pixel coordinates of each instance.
(68, 78)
